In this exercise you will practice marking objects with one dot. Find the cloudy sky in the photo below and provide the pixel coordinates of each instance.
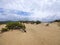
(43, 10)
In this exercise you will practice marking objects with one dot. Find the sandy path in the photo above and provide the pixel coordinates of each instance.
(35, 35)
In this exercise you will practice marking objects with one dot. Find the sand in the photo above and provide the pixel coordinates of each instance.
(35, 35)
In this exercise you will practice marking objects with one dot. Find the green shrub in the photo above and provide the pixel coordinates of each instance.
(12, 25)
(4, 30)
(38, 22)
(15, 25)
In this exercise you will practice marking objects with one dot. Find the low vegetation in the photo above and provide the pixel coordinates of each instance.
(58, 22)
(31, 22)
(4, 30)
(38, 22)
(14, 25)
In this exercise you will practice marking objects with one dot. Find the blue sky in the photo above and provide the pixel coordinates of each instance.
(44, 10)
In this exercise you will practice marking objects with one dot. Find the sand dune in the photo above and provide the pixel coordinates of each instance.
(35, 35)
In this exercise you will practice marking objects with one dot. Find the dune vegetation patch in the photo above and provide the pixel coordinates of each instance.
(13, 26)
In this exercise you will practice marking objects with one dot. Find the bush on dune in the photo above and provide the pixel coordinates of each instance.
(14, 25)
(38, 22)
(58, 22)
(4, 30)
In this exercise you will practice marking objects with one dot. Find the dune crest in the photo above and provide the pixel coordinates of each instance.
(36, 35)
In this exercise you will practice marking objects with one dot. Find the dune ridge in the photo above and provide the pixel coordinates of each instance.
(35, 35)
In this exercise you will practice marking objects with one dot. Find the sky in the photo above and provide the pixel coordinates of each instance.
(43, 10)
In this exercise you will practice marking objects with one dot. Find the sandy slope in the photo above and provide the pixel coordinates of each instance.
(35, 35)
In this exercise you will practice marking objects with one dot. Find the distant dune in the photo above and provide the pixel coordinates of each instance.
(37, 34)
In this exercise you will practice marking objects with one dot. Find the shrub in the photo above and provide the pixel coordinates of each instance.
(15, 25)
(57, 21)
(4, 30)
(38, 22)
(12, 25)
(47, 24)
(32, 22)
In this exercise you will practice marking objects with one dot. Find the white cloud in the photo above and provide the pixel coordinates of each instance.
(38, 8)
